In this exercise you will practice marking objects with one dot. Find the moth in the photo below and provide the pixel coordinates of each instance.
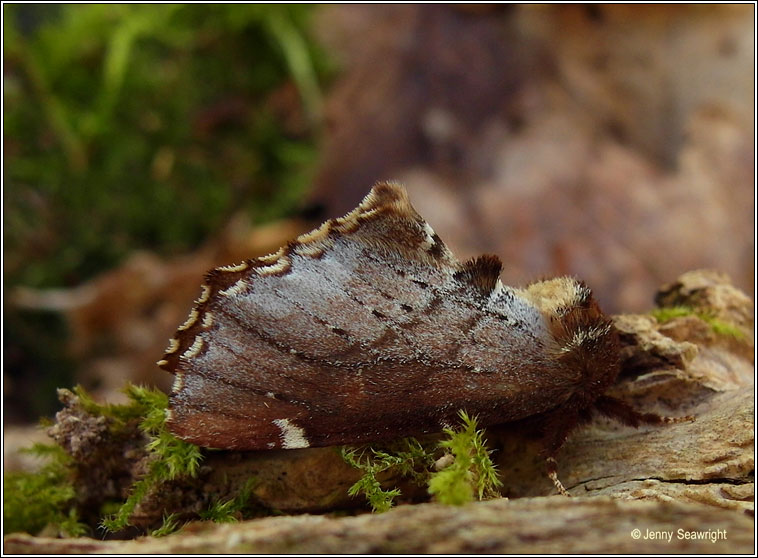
(368, 328)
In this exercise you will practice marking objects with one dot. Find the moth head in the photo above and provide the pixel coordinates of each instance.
(586, 341)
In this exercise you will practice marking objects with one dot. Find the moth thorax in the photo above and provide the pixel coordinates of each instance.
(590, 347)
(586, 341)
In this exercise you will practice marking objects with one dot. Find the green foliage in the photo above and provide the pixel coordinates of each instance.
(33, 501)
(410, 459)
(120, 415)
(719, 327)
(142, 126)
(119, 115)
(230, 511)
(171, 457)
(170, 525)
(472, 472)
(175, 457)
(379, 499)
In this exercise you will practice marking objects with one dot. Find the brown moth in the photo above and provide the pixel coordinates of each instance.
(368, 328)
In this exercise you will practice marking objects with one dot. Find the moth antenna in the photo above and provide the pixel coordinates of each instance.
(624, 413)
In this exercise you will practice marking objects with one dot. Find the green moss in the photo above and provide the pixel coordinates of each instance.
(668, 313)
(726, 329)
(171, 457)
(33, 501)
(118, 115)
(472, 473)
(719, 327)
(379, 499)
(120, 415)
(232, 510)
(408, 459)
(170, 524)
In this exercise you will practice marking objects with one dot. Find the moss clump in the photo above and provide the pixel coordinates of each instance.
(120, 416)
(220, 511)
(72, 483)
(170, 457)
(232, 510)
(718, 326)
(472, 473)
(34, 501)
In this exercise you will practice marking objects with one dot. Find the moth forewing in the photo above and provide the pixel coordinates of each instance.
(369, 328)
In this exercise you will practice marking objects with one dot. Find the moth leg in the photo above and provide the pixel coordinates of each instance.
(556, 428)
(624, 413)
(552, 472)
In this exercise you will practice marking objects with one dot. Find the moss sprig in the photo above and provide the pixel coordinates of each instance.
(472, 473)
(170, 524)
(379, 499)
(408, 459)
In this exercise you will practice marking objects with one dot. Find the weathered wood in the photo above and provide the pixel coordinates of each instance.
(697, 476)
(532, 525)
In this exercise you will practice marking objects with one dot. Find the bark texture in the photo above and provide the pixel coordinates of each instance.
(541, 525)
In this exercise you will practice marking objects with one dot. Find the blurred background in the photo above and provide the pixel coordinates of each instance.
(145, 144)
